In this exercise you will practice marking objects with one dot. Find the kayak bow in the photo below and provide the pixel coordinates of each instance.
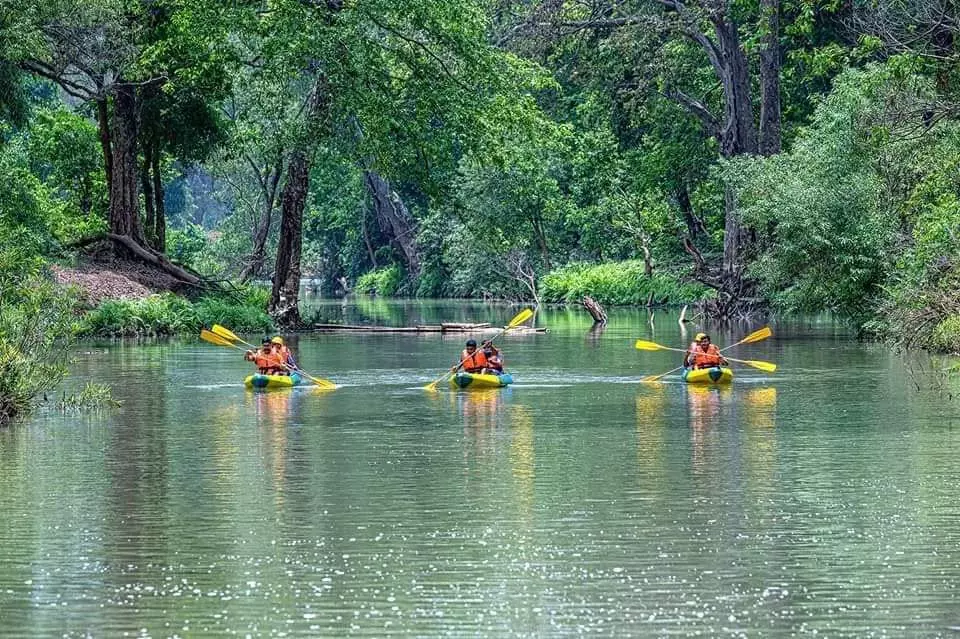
(270, 382)
(479, 380)
(715, 375)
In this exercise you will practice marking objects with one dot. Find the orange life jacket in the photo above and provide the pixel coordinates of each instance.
(268, 363)
(474, 363)
(706, 359)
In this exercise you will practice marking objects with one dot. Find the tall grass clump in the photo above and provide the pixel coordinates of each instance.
(170, 314)
(618, 283)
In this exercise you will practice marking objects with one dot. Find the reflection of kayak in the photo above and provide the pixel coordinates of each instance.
(273, 381)
(477, 380)
(715, 375)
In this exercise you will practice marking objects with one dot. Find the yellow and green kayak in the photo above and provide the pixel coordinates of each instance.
(477, 380)
(715, 375)
(270, 382)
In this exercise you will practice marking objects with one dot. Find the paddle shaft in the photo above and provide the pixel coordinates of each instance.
(518, 319)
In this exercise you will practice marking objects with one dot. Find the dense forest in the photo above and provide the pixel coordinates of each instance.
(750, 156)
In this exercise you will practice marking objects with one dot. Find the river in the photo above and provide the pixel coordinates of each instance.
(821, 499)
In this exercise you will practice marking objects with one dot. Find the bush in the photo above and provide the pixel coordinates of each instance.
(617, 283)
(946, 335)
(35, 321)
(237, 316)
(383, 281)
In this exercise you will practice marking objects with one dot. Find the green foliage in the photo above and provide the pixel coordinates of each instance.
(383, 281)
(946, 335)
(618, 283)
(92, 396)
(249, 315)
(161, 314)
(170, 314)
(825, 202)
(35, 321)
(187, 245)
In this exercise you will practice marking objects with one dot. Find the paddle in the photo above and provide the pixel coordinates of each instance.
(230, 335)
(222, 337)
(756, 336)
(518, 319)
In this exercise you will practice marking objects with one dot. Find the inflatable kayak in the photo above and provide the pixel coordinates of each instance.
(715, 375)
(477, 380)
(273, 381)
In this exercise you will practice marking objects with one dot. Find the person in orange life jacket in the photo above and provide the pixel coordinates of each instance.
(703, 354)
(471, 359)
(265, 359)
(494, 358)
(283, 354)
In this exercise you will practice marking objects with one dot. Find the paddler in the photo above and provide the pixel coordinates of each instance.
(267, 363)
(494, 358)
(283, 355)
(703, 354)
(473, 360)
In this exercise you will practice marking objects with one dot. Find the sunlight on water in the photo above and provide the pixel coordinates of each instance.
(820, 500)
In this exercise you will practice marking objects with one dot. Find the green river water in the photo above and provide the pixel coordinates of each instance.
(822, 499)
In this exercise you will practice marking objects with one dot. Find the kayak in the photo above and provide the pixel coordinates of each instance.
(478, 380)
(715, 375)
(273, 381)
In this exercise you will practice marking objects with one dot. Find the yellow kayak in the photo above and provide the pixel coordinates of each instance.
(273, 381)
(715, 375)
(478, 380)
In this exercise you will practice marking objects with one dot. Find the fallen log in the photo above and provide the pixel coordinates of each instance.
(484, 327)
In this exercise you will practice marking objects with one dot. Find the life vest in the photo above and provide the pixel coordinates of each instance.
(268, 363)
(706, 359)
(474, 363)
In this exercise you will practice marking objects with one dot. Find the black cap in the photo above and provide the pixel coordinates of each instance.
(266, 340)
(471, 342)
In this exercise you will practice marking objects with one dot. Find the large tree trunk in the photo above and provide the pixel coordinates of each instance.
(124, 198)
(160, 223)
(394, 218)
(285, 297)
(147, 187)
(738, 135)
(770, 79)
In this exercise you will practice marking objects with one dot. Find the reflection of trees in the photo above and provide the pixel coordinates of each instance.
(136, 521)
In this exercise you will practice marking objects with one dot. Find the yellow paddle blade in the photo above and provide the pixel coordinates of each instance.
(764, 366)
(642, 345)
(520, 318)
(757, 335)
(213, 338)
(225, 333)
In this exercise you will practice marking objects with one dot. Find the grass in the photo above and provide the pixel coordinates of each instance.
(618, 284)
(169, 314)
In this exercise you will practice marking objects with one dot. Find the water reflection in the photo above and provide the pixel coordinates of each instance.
(705, 405)
(522, 459)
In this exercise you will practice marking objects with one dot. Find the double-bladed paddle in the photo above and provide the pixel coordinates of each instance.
(756, 336)
(518, 319)
(225, 337)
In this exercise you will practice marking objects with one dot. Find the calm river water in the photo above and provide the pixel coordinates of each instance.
(822, 499)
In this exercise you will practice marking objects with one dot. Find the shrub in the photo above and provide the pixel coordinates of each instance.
(617, 283)
(35, 320)
(946, 335)
(383, 281)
